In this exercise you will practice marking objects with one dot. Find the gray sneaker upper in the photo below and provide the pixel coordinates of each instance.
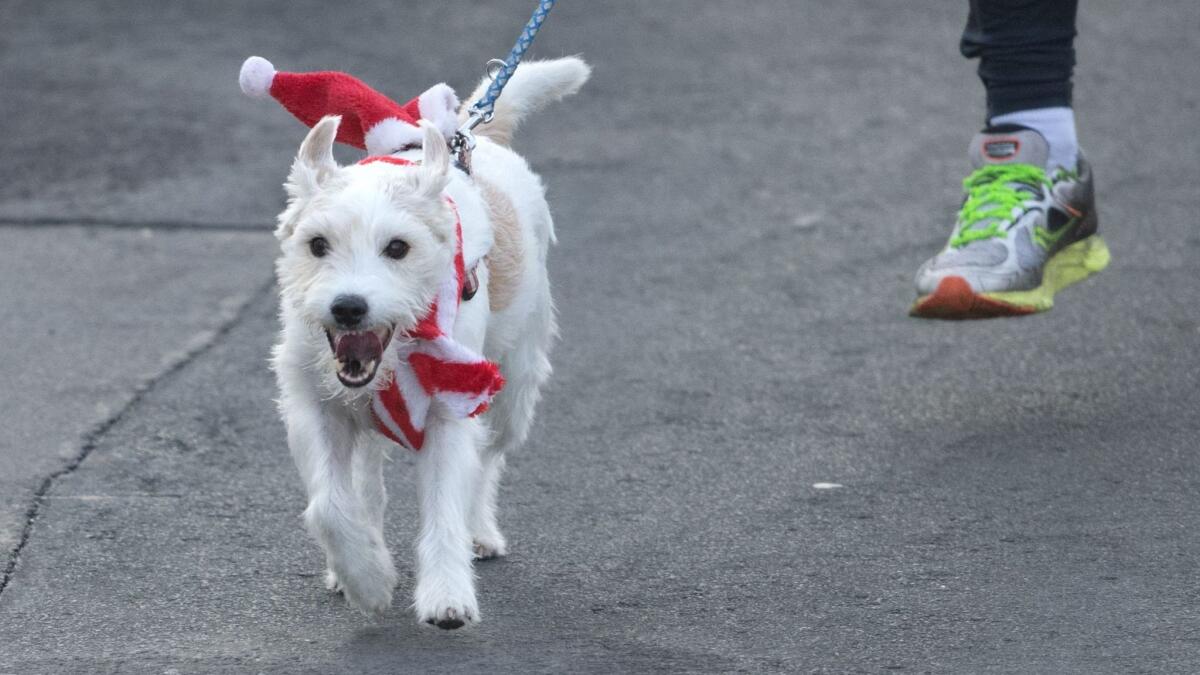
(1013, 258)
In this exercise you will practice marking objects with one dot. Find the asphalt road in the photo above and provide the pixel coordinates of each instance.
(742, 194)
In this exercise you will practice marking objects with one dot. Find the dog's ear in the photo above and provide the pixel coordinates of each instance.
(314, 164)
(435, 161)
(316, 152)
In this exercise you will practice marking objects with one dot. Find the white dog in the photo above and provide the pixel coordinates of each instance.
(364, 248)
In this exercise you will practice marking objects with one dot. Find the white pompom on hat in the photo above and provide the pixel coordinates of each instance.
(256, 76)
(370, 120)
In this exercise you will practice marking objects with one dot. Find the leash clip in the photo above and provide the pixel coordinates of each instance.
(463, 141)
(498, 71)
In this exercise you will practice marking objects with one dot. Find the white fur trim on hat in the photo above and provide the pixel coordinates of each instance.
(439, 105)
(256, 76)
(389, 135)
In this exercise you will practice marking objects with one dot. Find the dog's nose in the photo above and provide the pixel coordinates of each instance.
(348, 310)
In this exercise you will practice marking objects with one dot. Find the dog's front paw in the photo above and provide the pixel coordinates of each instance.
(366, 578)
(486, 547)
(447, 610)
(449, 618)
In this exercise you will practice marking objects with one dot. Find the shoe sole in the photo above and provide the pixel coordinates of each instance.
(954, 299)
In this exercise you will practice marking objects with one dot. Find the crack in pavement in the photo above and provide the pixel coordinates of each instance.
(115, 224)
(92, 439)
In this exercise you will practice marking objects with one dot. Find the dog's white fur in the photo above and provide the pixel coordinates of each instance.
(358, 209)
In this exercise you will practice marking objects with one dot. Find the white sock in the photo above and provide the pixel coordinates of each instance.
(1057, 125)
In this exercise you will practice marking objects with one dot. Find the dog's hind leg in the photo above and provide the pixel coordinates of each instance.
(485, 531)
(322, 444)
(526, 368)
(511, 415)
(448, 476)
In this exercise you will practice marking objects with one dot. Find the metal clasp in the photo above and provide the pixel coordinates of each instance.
(463, 141)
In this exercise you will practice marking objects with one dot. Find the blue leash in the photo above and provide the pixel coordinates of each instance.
(485, 107)
(482, 111)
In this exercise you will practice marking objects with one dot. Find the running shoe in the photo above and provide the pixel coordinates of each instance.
(1021, 235)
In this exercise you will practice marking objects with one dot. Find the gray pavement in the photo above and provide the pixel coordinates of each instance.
(94, 315)
(742, 194)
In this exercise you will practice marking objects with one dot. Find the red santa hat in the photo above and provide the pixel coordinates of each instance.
(370, 120)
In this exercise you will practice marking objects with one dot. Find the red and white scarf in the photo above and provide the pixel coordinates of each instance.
(433, 366)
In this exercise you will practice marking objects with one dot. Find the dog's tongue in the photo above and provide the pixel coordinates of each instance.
(355, 350)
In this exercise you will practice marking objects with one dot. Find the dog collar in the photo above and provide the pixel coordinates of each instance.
(459, 162)
(389, 159)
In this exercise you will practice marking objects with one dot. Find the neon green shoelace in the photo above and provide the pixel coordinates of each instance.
(990, 194)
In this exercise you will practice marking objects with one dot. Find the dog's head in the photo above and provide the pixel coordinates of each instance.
(364, 248)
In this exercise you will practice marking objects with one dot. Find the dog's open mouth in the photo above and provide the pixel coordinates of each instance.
(358, 353)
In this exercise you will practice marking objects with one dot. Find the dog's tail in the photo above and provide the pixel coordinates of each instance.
(534, 85)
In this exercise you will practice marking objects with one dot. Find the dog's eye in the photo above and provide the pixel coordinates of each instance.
(319, 246)
(396, 249)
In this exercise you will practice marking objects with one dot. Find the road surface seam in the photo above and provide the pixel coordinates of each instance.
(92, 439)
(124, 224)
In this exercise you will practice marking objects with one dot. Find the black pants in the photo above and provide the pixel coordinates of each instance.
(1026, 52)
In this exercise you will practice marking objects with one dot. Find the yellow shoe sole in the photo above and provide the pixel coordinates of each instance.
(954, 299)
